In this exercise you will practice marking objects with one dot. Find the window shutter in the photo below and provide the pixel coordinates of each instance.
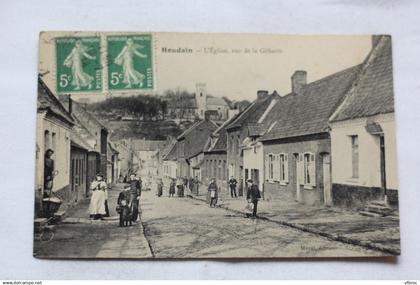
(301, 170)
(312, 170)
(286, 168)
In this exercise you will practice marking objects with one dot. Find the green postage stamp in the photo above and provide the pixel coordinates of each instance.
(78, 64)
(130, 62)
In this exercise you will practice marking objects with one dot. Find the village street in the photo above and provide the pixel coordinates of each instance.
(183, 227)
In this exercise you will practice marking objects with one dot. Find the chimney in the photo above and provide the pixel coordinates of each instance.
(298, 81)
(66, 101)
(262, 94)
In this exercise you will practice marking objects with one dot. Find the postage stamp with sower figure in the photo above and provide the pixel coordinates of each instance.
(130, 62)
(78, 64)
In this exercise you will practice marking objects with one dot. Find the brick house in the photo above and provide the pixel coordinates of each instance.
(237, 131)
(215, 157)
(190, 146)
(363, 135)
(297, 146)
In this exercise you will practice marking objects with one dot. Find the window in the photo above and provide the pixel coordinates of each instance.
(355, 156)
(283, 168)
(307, 168)
(270, 166)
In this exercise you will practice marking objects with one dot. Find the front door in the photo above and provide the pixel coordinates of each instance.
(326, 167)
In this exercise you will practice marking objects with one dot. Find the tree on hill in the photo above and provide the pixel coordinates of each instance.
(139, 106)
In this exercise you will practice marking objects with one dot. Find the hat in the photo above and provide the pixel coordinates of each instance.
(127, 187)
(249, 180)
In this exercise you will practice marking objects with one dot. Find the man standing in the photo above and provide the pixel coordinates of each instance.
(232, 185)
(135, 193)
(253, 195)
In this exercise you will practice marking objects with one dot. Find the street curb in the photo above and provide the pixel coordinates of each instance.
(141, 224)
(336, 237)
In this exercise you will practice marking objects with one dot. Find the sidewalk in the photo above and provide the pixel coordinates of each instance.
(379, 233)
(77, 236)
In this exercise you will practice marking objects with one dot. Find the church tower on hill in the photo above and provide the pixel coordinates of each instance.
(201, 99)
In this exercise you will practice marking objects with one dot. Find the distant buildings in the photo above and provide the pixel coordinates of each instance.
(197, 106)
(147, 151)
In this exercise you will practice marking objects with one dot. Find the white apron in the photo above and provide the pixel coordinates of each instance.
(97, 202)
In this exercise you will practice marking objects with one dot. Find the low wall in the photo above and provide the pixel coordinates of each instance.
(352, 196)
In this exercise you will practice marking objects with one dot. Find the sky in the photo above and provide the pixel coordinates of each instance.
(231, 65)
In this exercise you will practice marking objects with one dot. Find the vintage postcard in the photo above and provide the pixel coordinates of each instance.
(198, 145)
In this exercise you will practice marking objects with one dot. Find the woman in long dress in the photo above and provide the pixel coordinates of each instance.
(125, 58)
(99, 196)
(74, 60)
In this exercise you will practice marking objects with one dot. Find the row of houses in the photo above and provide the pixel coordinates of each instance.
(331, 141)
(81, 148)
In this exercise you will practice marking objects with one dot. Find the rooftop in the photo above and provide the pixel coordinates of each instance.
(308, 112)
(372, 93)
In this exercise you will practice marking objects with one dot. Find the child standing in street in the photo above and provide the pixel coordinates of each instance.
(123, 207)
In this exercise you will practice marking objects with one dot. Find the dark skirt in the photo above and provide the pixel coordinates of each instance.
(180, 192)
(159, 190)
(172, 190)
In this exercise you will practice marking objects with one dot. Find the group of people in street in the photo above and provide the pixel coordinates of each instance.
(128, 199)
(179, 185)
